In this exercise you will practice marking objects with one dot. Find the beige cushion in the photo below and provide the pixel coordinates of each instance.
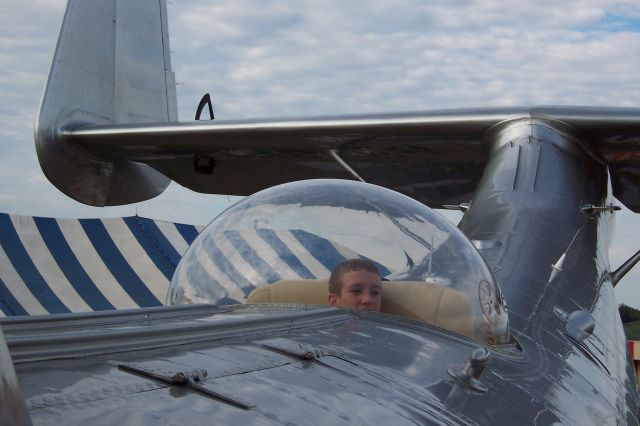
(428, 302)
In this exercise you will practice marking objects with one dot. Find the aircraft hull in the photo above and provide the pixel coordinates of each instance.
(285, 365)
(549, 252)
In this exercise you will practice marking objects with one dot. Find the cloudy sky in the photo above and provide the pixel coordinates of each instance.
(304, 57)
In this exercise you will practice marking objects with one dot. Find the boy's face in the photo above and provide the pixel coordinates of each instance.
(360, 290)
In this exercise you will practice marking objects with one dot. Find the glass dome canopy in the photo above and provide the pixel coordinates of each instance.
(302, 230)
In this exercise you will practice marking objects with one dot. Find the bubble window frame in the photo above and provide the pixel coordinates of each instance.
(296, 233)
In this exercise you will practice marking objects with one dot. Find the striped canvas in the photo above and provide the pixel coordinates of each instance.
(234, 262)
(74, 265)
(50, 266)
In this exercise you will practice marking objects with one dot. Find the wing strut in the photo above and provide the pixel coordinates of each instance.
(626, 267)
(345, 165)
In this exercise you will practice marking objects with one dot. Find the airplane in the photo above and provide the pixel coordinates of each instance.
(508, 318)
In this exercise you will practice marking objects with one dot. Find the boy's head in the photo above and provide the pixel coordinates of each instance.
(356, 284)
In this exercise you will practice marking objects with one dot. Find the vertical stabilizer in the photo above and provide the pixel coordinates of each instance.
(111, 66)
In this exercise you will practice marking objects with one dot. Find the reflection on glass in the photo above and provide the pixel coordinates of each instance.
(302, 230)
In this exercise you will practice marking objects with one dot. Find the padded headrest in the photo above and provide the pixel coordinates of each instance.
(427, 302)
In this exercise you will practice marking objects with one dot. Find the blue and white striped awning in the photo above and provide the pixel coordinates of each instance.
(225, 267)
(50, 266)
(74, 265)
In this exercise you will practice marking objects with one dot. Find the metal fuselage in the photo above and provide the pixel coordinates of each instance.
(527, 213)
(298, 364)
(275, 364)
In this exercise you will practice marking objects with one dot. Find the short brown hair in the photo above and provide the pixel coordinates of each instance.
(335, 280)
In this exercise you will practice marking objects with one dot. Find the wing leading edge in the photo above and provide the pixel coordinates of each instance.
(413, 153)
(436, 157)
(111, 73)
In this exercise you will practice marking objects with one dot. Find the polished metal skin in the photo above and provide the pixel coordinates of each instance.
(256, 364)
(113, 120)
(111, 66)
(298, 364)
(436, 157)
(526, 174)
(528, 204)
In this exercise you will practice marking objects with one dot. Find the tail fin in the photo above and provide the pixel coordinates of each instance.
(111, 66)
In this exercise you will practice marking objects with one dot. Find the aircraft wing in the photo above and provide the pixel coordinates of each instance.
(436, 157)
(111, 74)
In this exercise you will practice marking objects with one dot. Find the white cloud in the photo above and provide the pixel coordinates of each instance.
(337, 58)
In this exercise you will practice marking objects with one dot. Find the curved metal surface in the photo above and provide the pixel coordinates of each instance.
(297, 365)
(624, 268)
(339, 366)
(111, 66)
(436, 157)
(529, 200)
(111, 74)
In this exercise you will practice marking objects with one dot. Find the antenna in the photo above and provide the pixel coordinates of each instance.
(557, 267)
(205, 101)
